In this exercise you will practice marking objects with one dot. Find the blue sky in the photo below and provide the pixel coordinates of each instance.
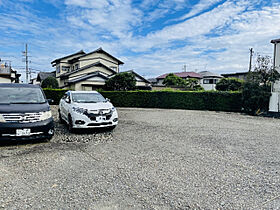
(151, 36)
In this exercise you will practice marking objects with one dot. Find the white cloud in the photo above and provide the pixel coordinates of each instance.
(231, 51)
(114, 16)
(200, 7)
(188, 29)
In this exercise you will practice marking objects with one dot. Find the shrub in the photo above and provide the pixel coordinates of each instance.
(229, 84)
(216, 101)
(196, 100)
(50, 82)
(255, 97)
(54, 94)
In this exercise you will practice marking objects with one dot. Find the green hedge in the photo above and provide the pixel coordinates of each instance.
(215, 101)
(54, 94)
(200, 100)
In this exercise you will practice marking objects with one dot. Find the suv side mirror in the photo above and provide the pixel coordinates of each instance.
(50, 101)
(67, 100)
(107, 100)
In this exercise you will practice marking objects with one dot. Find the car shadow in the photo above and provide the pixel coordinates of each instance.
(91, 131)
(12, 143)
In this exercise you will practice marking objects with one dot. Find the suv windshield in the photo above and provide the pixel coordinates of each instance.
(11, 95)
(87, 97)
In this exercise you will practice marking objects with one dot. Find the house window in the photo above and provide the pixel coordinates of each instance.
(66, 68)
(114, 68)
(58, 69)
(76, 66)
(209, 81)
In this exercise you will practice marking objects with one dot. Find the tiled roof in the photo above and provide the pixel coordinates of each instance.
(44, 75)
(182, 75)
(209, 74)
(275, 41)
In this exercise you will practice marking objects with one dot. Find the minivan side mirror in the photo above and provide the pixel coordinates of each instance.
(107, 100)
(50, 101)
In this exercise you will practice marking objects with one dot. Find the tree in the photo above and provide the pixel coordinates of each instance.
(50, 82)
(189, 84)
(229, 84)
(256, 90)
(264, 73)
(121, 81)
(173, 80)
(193, 84)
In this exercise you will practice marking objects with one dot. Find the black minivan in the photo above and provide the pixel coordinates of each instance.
(24, 113)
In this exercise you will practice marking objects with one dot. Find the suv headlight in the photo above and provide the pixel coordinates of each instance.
(2, 119)
(79, 110)
(45, 115)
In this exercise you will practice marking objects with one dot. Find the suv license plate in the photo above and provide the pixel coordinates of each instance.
(23, 132)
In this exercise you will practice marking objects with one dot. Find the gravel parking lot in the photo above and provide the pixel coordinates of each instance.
(154, 159)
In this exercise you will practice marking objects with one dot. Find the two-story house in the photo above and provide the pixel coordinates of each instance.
(85, 71)
(89, 71)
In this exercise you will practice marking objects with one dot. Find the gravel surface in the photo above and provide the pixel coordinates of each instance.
(154, 159)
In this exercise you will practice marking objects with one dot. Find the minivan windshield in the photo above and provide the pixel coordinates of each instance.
(12, 95)
(87, 97)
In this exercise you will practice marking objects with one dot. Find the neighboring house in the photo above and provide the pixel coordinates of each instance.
(8, 75)
(141, 82)
(85, 71)
(41, 77)
(238, 75)
(153, 81)
(274, 103)
(209, 80)
(183, 75)
(89, 71)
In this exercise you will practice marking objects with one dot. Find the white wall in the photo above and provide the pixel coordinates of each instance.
(274, 98)
(208, 86)
(5, 80)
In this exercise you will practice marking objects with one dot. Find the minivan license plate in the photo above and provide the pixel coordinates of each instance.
(23, 132)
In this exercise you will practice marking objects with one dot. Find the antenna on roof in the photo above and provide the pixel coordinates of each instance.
(185, 68)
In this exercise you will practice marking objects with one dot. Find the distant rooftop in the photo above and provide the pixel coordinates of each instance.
(209, 74)
(182, 75)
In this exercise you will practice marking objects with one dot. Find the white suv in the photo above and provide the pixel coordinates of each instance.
(87, 109)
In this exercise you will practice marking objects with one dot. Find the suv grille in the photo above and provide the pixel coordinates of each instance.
(22, 117)
(100, 111)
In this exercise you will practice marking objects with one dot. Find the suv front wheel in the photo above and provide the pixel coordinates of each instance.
(70, 124)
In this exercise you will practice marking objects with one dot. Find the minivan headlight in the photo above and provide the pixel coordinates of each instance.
(45, 115)
(2, 119)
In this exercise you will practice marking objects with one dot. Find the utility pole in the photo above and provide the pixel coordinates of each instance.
(25, 54)
(251, 56)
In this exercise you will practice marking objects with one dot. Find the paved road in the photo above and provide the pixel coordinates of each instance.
(154, 159)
